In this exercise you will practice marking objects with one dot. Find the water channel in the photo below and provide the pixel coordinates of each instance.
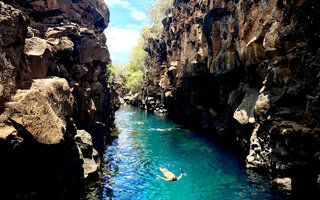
(147, 142)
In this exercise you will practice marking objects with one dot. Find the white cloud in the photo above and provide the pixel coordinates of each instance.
(135, 13)
(133, 26)
(124, 4)
(138, 15)
(121, 39)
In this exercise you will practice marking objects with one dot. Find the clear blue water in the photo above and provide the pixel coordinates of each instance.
(212, 172)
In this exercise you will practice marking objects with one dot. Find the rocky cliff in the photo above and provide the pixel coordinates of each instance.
(248, 71)
(56, 105)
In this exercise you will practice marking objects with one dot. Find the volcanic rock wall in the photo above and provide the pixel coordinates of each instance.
(53, 82)
(248, 71)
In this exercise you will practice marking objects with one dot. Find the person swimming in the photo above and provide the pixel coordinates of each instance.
(169, 175)
(165, 129)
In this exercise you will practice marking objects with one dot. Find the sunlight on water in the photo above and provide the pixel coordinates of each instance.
(133, 162)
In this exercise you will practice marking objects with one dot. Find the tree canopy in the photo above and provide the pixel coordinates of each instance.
(132, 75)
(159, 10)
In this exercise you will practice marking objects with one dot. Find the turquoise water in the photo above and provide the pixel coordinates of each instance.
(212, 172)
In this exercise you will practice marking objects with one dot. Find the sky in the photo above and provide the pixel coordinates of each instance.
(127, 18)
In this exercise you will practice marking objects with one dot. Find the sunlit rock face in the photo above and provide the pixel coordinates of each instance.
(41, 109)
(53, 81)
(13, 28)
(247, 71)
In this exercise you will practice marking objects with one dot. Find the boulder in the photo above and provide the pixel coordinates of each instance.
(63, 44)
(245, 112)
(87, 153)
(262, 105)
(63, 31)
(80, 71)
(42, 109)
(1, 96)
(89, 49)
(120, 89)
(13, 30)
(172, 72)
(270, 39)
(283, 183)
(39, 54)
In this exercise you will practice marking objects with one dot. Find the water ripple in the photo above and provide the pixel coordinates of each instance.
(133, 162)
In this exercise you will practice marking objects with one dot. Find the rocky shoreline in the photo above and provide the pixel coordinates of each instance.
(147, 103)
(247, 72)
(57, 106)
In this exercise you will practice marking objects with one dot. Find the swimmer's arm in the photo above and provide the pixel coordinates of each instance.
(163, 178)
(180, 177)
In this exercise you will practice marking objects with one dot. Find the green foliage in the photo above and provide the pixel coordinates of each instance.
(159, 10)
(138, 56)
(120, 71)
(134, 78)
(111, 72)
(132, 75)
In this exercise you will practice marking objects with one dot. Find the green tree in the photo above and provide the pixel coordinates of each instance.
(134, 74)
(159, 10)
(120, 71)
(134, 80)
(136, 68)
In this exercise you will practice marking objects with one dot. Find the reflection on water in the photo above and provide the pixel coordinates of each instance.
(134, 158)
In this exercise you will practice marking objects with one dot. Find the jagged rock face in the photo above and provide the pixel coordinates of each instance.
(81, 58)
(73, 47)
(36, 143)
(39, 112)
(39, 56)
(120, 89)
(65, 39)
(154, 74)
(247, 71)
(93, 14)
(87, 153)
(13, 26)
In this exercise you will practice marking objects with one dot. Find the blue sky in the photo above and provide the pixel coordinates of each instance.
(127, 18)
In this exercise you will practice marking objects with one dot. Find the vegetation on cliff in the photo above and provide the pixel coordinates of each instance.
(159, 11)
(136, 68)
(132, 74)
(117, 72)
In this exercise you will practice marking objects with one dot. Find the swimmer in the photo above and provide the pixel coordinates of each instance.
(165, 129)
(140, 123)
(169, 175)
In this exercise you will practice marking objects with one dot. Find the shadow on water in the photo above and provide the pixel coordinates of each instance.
(147, 142)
